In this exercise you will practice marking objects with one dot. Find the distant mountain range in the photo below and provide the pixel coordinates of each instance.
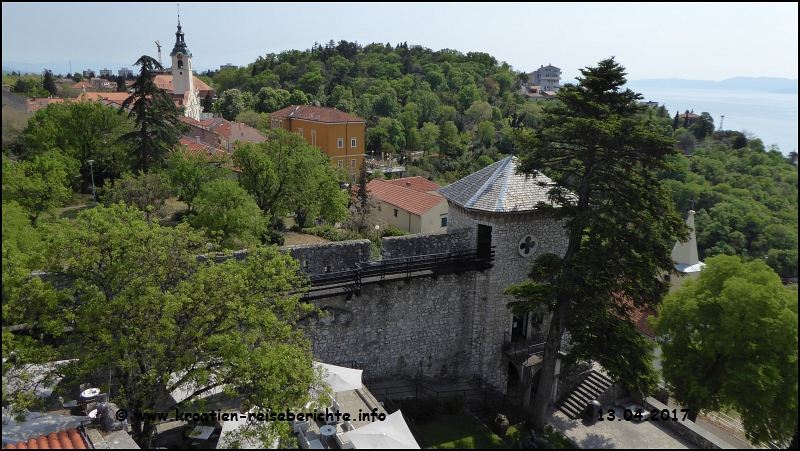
(759, 84)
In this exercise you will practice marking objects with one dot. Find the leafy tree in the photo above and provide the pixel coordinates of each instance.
(310, 82)
(40, 185)
(49, 84)
(253, 119)
(485, 133)
(148, 192)
(26, 300)
(269, 100)
(156, 117)
(620, 225)
(130, 312)
(298, 98)
(189, 173)
(429, 135)
(448, 139)
(123, 87)
(82, 131)
(285, 174)
(224, 208)
(362, 216)
(231, 104)
(729, 340)
(703, 127)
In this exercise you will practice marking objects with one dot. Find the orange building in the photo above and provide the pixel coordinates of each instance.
(338, 134)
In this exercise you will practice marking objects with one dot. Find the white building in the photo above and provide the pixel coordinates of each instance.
(548, 78)
(105, 73)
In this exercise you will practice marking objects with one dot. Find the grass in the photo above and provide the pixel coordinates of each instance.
(457, 432)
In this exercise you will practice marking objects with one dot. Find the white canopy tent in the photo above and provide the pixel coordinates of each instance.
(390, 434)
(340, 378)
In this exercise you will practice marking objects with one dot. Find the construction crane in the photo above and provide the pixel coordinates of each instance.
(158, 44)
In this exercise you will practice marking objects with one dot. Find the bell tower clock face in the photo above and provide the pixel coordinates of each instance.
(180, 55)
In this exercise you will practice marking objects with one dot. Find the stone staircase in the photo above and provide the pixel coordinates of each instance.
(573, 404)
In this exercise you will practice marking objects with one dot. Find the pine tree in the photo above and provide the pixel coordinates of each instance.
(619, 220)
(676, 122)
(158, 126)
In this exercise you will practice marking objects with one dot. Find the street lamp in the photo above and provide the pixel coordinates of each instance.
(377, 233)
(94, 193)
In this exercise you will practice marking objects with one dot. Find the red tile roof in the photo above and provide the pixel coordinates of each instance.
(165, 82)
(410, 200)
(63, 439)
(415, 183)
(639, 315)
(196, 148)
(316, 114)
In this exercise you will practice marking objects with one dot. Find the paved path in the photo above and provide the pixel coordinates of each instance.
(617, 434)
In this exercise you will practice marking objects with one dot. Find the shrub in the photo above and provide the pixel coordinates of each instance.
(393, 231)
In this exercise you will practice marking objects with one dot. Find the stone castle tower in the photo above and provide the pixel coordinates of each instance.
(449, 326)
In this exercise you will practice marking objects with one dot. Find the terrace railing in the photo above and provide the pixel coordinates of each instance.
(351, 281)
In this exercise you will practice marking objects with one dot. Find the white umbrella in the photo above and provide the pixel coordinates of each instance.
(390, 434)
(340, 378)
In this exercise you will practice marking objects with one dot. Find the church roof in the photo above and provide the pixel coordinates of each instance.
(164, 81)
(498, 188)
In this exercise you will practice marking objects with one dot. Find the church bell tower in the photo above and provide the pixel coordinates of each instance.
(182, 78)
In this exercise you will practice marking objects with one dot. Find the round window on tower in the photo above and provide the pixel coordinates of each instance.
(528, 245)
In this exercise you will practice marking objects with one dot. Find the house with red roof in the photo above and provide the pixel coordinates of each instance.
(338, 134)
(411, 204)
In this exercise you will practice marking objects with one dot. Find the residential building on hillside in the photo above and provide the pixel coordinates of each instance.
(124, 72)
(228, 66)
(105, 73)
(548, 78)
(411, 204)
(338, 134)
(234, 131)
(88, 73)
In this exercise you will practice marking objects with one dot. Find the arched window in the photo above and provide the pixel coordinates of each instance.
(180, 64)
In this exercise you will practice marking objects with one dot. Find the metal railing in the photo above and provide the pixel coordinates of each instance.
(351, 281)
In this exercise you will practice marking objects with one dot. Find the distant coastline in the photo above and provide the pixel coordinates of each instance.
(753, 84)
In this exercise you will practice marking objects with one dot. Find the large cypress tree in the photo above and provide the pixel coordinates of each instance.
(158, 126)
(619, 220)
(49, 83)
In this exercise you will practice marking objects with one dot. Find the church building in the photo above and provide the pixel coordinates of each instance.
(188, 91)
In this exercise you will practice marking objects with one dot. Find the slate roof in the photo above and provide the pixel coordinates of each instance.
(498, 188)
(316, 114)
(409, 199)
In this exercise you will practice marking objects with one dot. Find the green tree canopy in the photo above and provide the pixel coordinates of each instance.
(620, 223)
(231, 104)
(225, 209)
(285, 174)
(40, 185)
(141, 307)
(190, 173)
(729, 340)
(148, 192)
(83, 131)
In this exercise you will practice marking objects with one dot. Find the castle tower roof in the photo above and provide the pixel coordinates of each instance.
(498, 188)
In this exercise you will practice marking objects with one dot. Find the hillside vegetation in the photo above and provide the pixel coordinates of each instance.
(745, 198)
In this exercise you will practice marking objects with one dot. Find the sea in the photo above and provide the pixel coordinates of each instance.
(770, 116)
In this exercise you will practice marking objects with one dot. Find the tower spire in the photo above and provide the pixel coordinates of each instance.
(179, 15)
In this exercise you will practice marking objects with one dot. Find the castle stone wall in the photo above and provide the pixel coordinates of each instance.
(427, 243)
(336, 256)
(421, 328)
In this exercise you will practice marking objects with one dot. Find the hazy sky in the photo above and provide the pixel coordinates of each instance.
(680, 40)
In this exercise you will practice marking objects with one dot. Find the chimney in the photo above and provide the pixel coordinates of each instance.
(197, 138)
(408, 184)
(212, 151)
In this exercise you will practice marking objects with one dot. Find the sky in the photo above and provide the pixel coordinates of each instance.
(699, 41)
